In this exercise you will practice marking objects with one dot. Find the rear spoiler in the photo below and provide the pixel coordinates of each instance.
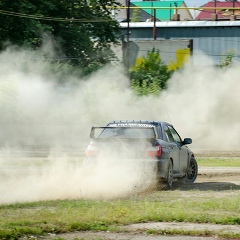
(92, 133)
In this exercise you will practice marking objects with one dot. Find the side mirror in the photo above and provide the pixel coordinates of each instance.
(187, 141)
(92, 133)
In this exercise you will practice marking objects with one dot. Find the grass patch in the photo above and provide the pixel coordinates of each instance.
(218, 162)
(41, 218)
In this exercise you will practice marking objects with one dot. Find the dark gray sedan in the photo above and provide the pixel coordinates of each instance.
(148, 139)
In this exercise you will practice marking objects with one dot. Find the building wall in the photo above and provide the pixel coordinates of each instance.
(121, 14)
(214, 39)
(168, 49)
(185, 13)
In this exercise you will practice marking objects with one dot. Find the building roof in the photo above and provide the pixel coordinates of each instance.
(224, 12)
(161, 14)
(182, 24)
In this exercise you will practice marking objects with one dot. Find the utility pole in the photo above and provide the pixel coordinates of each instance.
(215, 5)
(234, 7)
(128, 35)
(154, 25)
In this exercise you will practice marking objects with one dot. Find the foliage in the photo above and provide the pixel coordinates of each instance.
(150, 74)
(147, 86)
(218, 162)
(227, 59)
(82, 31)
(136, 15)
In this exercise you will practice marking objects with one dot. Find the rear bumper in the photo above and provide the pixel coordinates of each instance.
(161, 165)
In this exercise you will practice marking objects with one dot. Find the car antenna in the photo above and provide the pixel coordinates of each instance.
(168, 115)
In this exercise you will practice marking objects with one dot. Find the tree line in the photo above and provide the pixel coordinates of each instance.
(82, 31)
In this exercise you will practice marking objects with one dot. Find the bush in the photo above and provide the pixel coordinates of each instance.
(150, 74)
(227, 59)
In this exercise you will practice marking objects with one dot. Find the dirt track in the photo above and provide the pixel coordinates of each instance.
(215, 178)
(209, 179)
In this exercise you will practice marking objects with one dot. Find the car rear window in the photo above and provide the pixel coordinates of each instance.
(122, 132)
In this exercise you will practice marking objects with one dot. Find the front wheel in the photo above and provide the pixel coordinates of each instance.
(192, 171)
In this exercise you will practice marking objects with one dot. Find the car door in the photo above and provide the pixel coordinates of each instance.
(183, 151)
(173, 148)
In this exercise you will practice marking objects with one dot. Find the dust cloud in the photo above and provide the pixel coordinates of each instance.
(45, 125)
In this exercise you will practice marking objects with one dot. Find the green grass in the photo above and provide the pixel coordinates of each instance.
(61, 216)
(218, 162)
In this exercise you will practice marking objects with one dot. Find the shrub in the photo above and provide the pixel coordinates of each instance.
(150, 74)
(227, 59)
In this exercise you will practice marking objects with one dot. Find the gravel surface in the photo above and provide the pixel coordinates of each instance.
(126, 236)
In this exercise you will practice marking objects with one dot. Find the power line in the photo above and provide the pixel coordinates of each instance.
(38, 17)
(173, 7)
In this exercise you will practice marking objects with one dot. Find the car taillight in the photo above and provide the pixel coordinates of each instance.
(154, 151)
(91, 151)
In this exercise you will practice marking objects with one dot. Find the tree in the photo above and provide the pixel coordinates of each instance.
(82, 30)
(150, 74)
(136, 15)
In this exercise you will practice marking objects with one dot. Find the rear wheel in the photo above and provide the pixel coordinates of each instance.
(192, 171)
(169, 176)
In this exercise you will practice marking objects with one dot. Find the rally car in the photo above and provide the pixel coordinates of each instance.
(155, 140)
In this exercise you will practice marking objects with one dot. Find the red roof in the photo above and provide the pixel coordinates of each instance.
(224, 12)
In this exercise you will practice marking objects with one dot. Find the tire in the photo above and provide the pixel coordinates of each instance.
(192, 171)
(169, 176)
